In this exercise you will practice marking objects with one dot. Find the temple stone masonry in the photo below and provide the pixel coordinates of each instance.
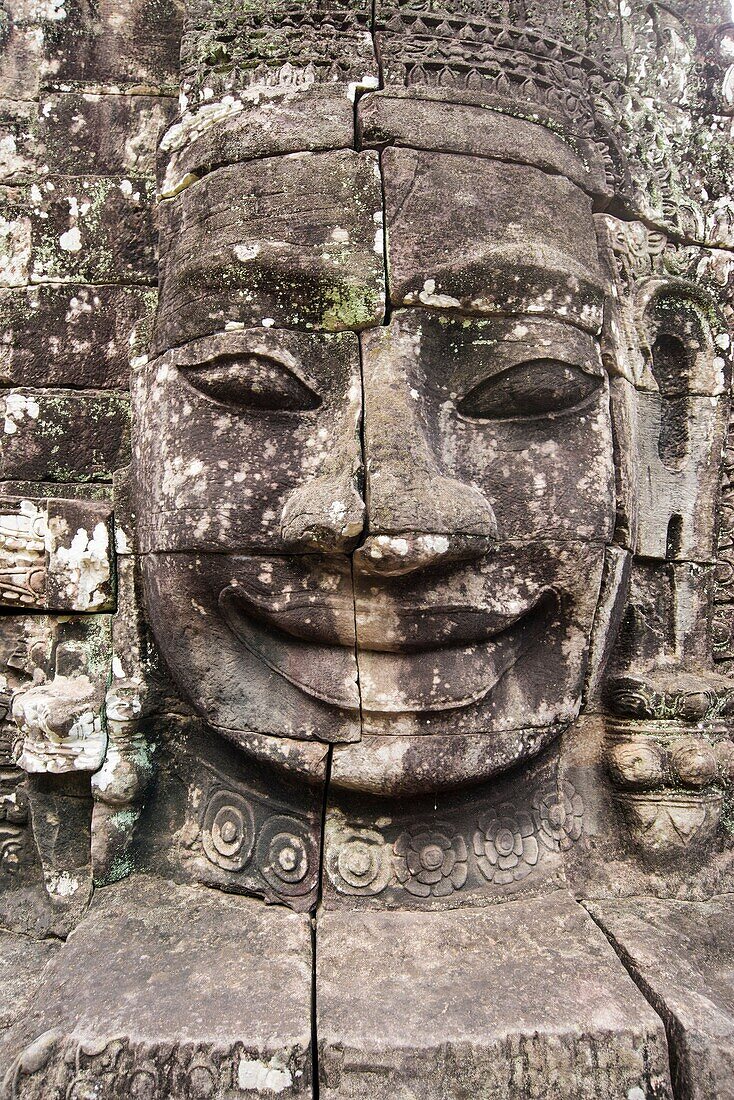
(366, 550)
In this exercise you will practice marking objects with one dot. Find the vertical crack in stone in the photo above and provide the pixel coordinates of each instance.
(385, 258)
(679, 1077)
(315, 1088)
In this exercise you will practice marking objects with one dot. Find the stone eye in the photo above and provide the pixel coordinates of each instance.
(538, 387)
(253, 382)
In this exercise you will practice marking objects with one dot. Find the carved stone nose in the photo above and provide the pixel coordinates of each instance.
(327, 514)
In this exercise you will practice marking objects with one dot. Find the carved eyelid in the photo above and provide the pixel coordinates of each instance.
(279, 358)
(227, 359)
(591, 370)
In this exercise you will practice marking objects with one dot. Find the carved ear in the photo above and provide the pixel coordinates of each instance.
(683, 339)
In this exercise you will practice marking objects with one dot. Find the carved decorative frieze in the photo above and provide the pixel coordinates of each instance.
(56, 555)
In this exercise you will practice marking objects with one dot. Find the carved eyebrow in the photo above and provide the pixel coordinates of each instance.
(544, 339)
(505, 284)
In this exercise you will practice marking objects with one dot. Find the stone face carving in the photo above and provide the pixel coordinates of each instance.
(424, 556)
(398, 586)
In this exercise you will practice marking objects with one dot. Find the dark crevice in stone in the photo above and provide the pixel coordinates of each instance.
(201, 171)
(679, 1075)
(315, 1084)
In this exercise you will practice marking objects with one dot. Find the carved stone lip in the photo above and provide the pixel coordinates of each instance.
(441, 678)
(416, 622)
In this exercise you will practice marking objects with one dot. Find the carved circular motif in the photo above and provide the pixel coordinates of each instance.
(228, 831)
(431, 860)
(558, 813)
(360, 864)
(693, 762)
(505, 845)
(202, 1080)
(636, 763)
(143, 1084)
(287, 856)
(10, 850)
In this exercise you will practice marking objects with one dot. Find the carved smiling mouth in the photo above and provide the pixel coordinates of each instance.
(311, 643)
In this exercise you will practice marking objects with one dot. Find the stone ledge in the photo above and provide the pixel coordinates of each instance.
(169, 991)
(523, 1000)
(682, 955)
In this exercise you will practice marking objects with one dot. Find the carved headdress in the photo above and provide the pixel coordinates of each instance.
(644, 87)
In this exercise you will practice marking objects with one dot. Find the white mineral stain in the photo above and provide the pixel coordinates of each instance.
(245, 252)
(71, 240)
(62, 884)
(85, 566)
(259, 1076)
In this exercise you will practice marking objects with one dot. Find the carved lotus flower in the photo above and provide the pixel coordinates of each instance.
(558, 813)
(431, 860)
(360, 864)
(505, 845)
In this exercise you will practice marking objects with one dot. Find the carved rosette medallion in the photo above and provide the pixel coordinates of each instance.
(287, 856)
(361, 865)
(505, 845)
(559, 815)
(431, 860)
(228, 831)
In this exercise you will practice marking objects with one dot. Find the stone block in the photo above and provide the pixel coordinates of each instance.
(101, 135)
(101, 46)
(488, 250)
(522, 1001)
(63, 435)
(681, 954)
(167, 990)
(56, 555)
(286, 241)
(403, 118)
(80, 336)
(267, 122)
(78, 229)
(234, 822)
(22, 962)
(17, 143)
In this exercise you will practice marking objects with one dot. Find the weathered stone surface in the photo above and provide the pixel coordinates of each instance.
(262, 123)
(284, 627)
(23, 962)
(468, 848)
(431, 575)
(100, 135)
(17, 146)
(659, 838)
(80, 230)
(207, 415)
(63, 435)
(93, 46)
(237, 823)
(403, 118)
(680, 954)
(56, 555)
(513, 239)
(527, 999)
(80, 336)
(296, 248)
(173, 989)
